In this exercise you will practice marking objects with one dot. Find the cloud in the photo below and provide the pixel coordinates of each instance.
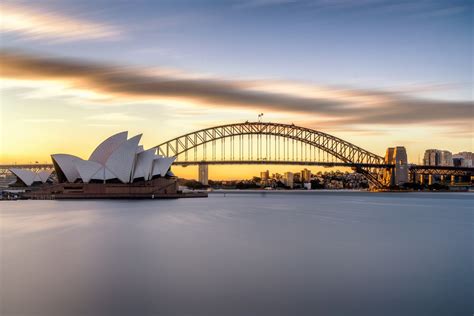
(261, 3)
(334, 105)
(41, 24)
(118, 117)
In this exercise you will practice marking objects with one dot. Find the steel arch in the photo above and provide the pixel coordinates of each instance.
(334, 146)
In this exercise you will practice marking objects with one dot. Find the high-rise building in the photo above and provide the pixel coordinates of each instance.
(458, 161)
(466, 155)
(265, 175)
(446, 158)
(305, 175)
(431, 157)
(437, 157)
(464, 159)
(288, 179)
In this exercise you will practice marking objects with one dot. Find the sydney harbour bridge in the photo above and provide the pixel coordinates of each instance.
(285, 144)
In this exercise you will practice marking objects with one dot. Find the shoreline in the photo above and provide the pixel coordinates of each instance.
(309, 192)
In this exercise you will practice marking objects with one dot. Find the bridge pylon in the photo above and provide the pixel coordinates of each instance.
(203, 173)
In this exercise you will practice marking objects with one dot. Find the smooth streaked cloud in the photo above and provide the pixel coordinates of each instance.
(32, 23)
(416, 9)
(115, 117)
(261, 3)
(334, 105)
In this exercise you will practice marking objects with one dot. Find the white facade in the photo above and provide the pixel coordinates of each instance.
(103, 174)
(29, 177)
(87, 169)
(122, 160)
(102, 153)
(161, 165)
(117, 158)
(44, 175)
(144, 164)
(65, 166)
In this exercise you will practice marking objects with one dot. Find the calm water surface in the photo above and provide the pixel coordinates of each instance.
(240, 254)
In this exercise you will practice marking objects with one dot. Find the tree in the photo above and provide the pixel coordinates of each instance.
(315, 184)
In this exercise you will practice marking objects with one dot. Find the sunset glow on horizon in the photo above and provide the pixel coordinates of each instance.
(372, 73)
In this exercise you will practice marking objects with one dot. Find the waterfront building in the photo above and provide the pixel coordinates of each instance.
(115, 160)
(288, 179)
(437, 157)
(463, 159)
(458, 161)
(118, 168)
(265, 175)
(28, 177)
(446, 158)
(305, 175)
(431, 157)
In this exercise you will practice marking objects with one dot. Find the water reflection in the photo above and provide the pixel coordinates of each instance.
(281, 254)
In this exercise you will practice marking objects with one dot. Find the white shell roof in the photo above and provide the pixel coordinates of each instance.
(87, 169)
(103, 174)
(161, 165)
(144, 164)
(26, 176)
(107, 147)
(122, 160)
(44, 175)
(115, 158)
(67, 164)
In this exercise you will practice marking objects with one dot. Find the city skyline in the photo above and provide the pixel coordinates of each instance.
(73, 73)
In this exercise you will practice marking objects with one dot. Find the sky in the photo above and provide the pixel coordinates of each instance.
(375, 73)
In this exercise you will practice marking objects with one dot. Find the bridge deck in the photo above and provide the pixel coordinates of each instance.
(274, 162)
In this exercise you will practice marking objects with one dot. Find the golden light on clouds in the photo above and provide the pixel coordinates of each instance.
(35, 24)
(118, 84)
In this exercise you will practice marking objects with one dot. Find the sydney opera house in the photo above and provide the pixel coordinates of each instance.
(115, 160)
(118, 168)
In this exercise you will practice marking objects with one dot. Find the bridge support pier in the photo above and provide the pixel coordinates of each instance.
(203, 173)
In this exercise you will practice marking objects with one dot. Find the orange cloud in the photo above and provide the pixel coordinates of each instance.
(34, 24)
(336, 106)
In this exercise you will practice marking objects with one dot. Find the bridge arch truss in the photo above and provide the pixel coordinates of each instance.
(272, 142)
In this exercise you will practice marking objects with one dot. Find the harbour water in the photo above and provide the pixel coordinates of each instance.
(323, 253)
